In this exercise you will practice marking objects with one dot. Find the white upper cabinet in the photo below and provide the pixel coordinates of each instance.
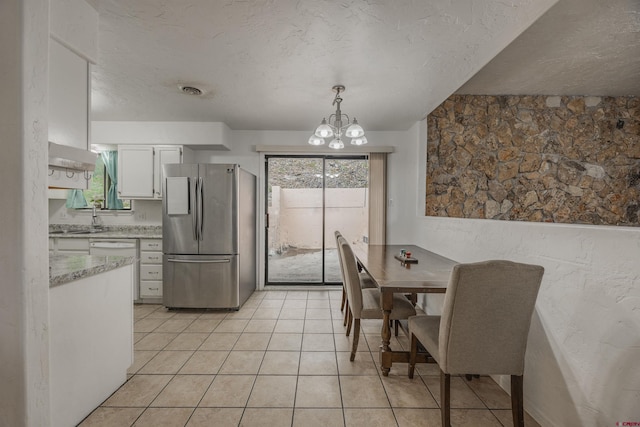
(73, 45)
(135, 172)
(68, 97)
(140, 169)
(163, 155)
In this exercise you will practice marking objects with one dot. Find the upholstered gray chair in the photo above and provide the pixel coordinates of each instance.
(365, 281)
(344, 289)
(483, 328)
(365, 303)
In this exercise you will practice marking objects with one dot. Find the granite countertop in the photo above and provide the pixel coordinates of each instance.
(109, 232)
(67, 268)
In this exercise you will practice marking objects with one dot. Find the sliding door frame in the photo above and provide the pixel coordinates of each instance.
(324, 157)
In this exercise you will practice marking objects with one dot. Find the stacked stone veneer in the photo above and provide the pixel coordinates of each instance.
(535, 158)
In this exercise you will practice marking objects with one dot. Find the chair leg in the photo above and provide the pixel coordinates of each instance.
(396, 324)
(356, 336)
(346, 313)
(349, 320)
(445, 399)
(517, 404)
(412, 355)
(344, 299)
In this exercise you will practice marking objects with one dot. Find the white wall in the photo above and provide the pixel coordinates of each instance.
(583, 356)
(24, 285)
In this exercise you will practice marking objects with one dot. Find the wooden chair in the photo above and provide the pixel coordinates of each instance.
(483, 328)
(366, 303)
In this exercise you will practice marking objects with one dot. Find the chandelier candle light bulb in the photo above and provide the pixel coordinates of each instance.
(334, 127)
(324, 130)
(336, 144)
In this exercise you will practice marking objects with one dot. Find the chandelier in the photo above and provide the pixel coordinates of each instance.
(337, 126)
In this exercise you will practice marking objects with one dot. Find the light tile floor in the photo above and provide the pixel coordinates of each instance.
(281, 360)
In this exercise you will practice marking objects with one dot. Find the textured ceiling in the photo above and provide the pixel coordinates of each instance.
(267, 64)
(579, 47)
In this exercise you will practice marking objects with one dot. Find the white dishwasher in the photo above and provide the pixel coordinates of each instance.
(118, 247)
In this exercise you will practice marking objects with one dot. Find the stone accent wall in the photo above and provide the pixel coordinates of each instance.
(535, 158)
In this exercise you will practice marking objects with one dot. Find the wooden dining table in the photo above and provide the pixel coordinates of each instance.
(430, 274)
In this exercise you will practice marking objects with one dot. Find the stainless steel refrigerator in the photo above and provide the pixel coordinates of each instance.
(208, 235)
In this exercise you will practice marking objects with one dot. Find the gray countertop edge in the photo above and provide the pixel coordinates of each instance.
(67, 268)
(108, 235)
(76, 231)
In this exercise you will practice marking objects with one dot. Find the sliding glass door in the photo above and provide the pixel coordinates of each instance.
(308, 199)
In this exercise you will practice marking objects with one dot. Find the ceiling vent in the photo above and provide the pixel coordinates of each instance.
(191, 90)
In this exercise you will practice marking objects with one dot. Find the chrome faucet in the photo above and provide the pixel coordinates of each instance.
(96, 221)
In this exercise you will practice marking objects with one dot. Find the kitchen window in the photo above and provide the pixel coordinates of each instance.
(99, 187)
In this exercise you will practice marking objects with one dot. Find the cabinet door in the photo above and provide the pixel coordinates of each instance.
(135, 171)
(164, 155)
(68, 108)
(68, 97)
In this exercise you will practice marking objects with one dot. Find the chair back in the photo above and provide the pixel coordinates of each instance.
(338, 235)
(351, 277)
(486, 317)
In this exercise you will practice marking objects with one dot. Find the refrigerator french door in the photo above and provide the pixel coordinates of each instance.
(209, 238)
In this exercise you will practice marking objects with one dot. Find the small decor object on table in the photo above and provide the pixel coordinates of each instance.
(405, 257)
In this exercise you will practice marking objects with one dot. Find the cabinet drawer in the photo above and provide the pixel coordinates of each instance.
(151, 245)
(150, 257)
(73, 244)
(151, 272)
(150, 288)
(66, 252)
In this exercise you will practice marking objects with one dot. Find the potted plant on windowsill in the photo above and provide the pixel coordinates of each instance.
(97, 202)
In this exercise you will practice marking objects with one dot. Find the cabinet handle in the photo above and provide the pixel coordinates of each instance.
(154, 289)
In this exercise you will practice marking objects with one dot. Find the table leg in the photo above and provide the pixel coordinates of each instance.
(385, 350)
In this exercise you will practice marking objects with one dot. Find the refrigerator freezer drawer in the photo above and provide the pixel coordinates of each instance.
(200, 281)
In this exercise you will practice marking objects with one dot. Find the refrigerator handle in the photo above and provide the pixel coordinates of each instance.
(196, 199)
(201, 198)
(210, 261)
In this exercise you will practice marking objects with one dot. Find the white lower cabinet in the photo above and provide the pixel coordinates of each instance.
(150, 273)
(150, 268)
(90, 342)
